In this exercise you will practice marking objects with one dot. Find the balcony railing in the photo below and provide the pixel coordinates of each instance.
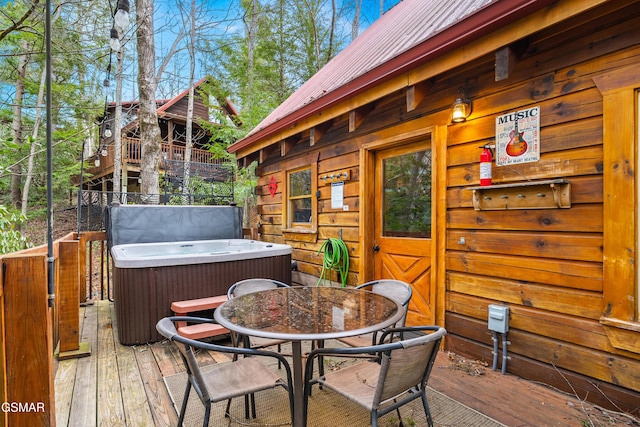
(132, 155)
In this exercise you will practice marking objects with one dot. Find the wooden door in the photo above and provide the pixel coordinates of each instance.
(402, 223)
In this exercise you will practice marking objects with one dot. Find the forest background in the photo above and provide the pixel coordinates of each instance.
(257, 51)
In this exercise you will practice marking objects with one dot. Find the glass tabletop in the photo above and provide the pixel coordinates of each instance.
(308, 313)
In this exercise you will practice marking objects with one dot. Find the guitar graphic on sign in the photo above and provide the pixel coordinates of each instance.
(516, 146)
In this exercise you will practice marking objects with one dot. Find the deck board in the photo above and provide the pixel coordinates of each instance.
(110, 411)
(83, 408)
(122, 385)
(136, 405)
(65, 376)
(157, 394)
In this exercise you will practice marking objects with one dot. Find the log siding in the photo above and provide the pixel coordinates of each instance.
(568, 275)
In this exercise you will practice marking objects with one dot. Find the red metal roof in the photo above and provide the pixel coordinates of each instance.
(410, 34)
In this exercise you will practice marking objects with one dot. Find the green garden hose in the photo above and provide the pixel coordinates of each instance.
(336, 257)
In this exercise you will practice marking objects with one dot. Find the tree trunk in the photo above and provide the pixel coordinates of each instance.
(355, 25)
(150, 139)
(251, 29)
(32, 149)
(117, 129)
(16, 128)
(189, 127)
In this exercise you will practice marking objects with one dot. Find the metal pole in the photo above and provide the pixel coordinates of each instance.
(79, 208)
(50, 265)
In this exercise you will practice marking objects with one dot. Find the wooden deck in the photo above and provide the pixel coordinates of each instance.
(123, 386)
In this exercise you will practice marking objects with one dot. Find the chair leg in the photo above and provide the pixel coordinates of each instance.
(318, 344)
(279, 351)
(399, 416)
(207, 414)
(227, 412)
(246, 406)
(183, 409)
(423, 394)
(253, 405)
(321, 362)
(374, 418)
(228, 409)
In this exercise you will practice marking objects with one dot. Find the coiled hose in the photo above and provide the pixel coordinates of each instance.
(336, 257)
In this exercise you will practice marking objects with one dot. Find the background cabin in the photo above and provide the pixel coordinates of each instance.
(172, 119)
(367, 151)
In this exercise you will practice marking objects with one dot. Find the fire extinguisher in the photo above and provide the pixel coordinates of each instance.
(486, 157)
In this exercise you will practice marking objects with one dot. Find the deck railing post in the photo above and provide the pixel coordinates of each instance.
(28, 336)
(69, 281)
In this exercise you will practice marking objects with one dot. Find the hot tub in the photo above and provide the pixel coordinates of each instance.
(148, 277)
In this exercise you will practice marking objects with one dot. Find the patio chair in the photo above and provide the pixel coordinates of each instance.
(224, 381)
(249, 286)
(394, 289)
(396, 375)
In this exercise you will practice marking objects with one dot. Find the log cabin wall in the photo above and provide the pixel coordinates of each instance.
(550, 265)
(567, 274)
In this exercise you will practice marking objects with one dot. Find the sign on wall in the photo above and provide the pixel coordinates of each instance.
(518, 137)
(337, 195)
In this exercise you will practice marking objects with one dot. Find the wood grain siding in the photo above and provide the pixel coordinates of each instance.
(568, 275)
(547, 265)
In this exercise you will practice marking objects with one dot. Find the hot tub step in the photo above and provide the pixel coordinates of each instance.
(183, 308)
(202, 330)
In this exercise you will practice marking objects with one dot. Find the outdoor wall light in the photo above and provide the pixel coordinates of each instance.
(461, 108)
(121, 17)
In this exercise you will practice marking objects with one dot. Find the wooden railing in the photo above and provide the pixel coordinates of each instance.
(32, 327)
(169, 152)
(33, 332)
(132, 154)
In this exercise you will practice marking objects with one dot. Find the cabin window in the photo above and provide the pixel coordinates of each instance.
(406, 205)
(301, 203)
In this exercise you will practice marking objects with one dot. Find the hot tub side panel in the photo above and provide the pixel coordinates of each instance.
(144, 295)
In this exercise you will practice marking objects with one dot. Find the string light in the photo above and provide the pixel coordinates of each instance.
(121, 17)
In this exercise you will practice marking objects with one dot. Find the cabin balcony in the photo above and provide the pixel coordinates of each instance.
(80, 375)
(131, 158)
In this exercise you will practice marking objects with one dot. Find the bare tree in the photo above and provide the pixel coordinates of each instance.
(16, 126)
(355, 26)
(32, 149)
(150, 139)
(251, 29)
(189, 126)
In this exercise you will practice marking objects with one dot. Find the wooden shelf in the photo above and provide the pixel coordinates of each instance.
(547, 194)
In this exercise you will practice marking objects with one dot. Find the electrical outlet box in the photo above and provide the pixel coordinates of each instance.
(498, 318)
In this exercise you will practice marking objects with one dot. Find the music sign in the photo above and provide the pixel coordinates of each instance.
(518, 137)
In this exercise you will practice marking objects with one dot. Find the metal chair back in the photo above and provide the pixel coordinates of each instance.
(241, 377)
(396, 375)
(394, 289)
(249, 286)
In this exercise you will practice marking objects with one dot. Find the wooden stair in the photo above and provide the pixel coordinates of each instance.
(201, 330)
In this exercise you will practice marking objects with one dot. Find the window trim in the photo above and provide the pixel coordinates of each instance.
(290, 228)
(620, 319)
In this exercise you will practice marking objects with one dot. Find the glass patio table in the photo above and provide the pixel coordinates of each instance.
(299, 314)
